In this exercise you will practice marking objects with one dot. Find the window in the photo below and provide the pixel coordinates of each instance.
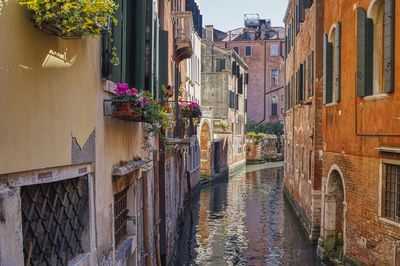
(248, 51)
(120, 216)
(239, 126)
(391, 192)
(274, 79)
(311, 74)
(131, 41)
(332, 65)
(234, 69)
(310, 164)
(240, 84)
(375, 46)
(54, 218)
(274, 50)
(274, 105)
(219, 65)
(231, 99)
(236, 49)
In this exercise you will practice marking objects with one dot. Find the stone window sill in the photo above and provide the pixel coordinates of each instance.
(331, 104)
(109, 86)
(128, 168)
(376, 97)
(389, 222)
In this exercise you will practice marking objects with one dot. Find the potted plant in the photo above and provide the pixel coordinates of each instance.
(72, 18)
(123, 100)
(190, 109)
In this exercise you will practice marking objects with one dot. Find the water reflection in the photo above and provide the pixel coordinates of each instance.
(244, 221)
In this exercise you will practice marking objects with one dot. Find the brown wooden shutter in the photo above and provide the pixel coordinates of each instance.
(389, 45)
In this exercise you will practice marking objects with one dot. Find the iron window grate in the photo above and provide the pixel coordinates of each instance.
(392, 192)
(52, 221)
(120, 216)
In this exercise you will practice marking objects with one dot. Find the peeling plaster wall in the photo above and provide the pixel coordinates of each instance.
(47, 93)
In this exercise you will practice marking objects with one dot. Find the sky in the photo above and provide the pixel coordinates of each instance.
(229, 14)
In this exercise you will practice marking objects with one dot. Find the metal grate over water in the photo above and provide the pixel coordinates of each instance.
(120, 216)
(53, 217)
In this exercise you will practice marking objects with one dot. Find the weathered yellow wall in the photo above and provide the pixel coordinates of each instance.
(46, 92)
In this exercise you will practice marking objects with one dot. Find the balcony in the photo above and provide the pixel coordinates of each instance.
(183, 34)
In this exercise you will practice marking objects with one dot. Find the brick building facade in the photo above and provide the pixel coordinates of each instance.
(361, 132)
(303, 121)
(224, 88)
(262, 48)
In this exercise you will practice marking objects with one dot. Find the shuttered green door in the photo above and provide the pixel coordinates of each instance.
(327, 70)
(338, 61)
(389, 45)
(364, 53)
(117, 36)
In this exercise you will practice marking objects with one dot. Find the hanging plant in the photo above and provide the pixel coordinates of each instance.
(72, 19)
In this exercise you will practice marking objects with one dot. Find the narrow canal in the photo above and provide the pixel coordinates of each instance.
(243, 221)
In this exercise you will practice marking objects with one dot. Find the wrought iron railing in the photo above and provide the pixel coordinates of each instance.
(120, 216)
(53, 218)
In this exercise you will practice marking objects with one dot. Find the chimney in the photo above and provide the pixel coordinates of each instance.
(209, 33)
(263, 30)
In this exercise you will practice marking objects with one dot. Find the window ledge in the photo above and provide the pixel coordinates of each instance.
(331, 104)
(128, 168)
(125, 250)
(109, 86)
(388, 149)
(388, 221)
(376, 97)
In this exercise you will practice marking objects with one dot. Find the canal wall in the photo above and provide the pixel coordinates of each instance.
(263, 148)
(312, 232)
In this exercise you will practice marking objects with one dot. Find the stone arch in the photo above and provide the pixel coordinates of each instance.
(335, 208)
(205, 149)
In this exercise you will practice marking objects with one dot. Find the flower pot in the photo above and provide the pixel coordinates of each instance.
(124, 109)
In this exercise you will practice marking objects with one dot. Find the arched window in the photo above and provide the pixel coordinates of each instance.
(376, 12)
(274, 105)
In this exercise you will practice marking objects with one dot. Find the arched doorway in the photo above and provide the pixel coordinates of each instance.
(334, 214)
(205, 149)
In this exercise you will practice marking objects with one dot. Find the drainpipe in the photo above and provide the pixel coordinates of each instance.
(265, 81)
(294, 70)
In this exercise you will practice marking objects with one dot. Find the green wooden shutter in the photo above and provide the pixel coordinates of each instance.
(117, 36)
(364, 73)
(223, 64)
(302, 10)
(301, 82)
(309, 76)
(327, 70)
(139, 39)
(163, 59)
(304, 80)
(106, 65)
(234, 68)
(337, 61)
(389, 45)
(217, 65)
(312, 73)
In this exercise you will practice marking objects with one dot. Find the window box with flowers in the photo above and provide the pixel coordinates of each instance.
(141, 107)
(72, 19)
